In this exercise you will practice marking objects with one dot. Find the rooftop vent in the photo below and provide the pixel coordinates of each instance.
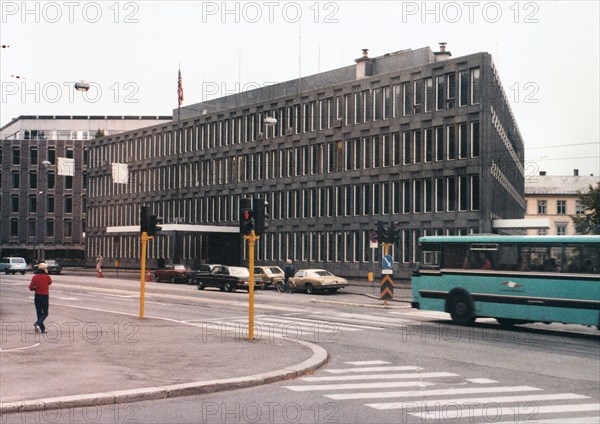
(364, 65)
(442, 54)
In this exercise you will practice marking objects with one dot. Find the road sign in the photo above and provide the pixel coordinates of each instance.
(387, 288)
(373, 240)
(387, 262)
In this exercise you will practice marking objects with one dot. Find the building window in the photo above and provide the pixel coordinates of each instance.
(51, 179)
(32, 204)
(33, 180)
(68, 229)
(542, 232)
(561, 207)
(561, 229)
(579, 208)
(418, 96)
(14, 228)
(31, 229)
(33, 156)
(49, 228)
(50, 204)
(14, 201)
(463, 82)
(451, 141)
(68, 205)
(541, 207)
(16, 180)
(450, 90)
(475, 143)
(440, 97)
(52, 155)
(428, 94)
(475, 86)
(16, 156)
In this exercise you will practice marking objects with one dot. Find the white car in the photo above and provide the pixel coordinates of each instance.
(13, 265)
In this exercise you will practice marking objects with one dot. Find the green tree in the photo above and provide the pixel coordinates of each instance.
(99, 133)
(589, 222)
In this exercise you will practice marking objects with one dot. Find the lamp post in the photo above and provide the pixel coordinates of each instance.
(40, 233)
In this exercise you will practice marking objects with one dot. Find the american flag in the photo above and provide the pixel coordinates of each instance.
(180, 89)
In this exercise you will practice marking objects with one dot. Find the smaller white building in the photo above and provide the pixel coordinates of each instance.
(557, 199)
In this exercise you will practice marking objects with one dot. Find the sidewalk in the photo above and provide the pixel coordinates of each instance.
(89, 357)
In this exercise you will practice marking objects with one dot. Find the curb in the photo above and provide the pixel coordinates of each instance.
(318, 358)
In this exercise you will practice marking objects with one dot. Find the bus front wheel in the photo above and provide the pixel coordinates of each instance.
(461, 309)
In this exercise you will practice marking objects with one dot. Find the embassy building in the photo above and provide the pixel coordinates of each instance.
(414, 137)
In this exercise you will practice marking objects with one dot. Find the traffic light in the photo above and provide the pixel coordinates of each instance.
(261, 215)
(387, 235)
(395, 232)
(153, 227)
(246, 217)
(144, 214)
(380, 231)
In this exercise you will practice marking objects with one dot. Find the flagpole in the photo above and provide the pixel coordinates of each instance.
(177, 170)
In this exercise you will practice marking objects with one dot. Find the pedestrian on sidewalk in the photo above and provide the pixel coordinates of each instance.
(40, 284)
(288, 273)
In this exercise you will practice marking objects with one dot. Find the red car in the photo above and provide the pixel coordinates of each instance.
(172, 274)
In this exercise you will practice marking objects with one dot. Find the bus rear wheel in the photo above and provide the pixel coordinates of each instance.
(461, 309)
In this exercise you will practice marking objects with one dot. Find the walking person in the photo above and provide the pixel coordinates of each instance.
(40, 284)
(288, 273)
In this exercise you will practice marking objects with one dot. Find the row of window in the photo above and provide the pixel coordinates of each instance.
(33, 180)
(34, 201)
(332, 246)
(442, 194)
(433, 144)
(410, 98)
(560, 207)
(49, 232)
(33, 154)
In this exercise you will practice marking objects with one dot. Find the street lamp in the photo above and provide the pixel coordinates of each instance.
(82, 86)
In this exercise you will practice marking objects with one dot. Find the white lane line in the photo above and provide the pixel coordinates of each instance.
(432, 392)
(380, 376)
(481, 380)
(380, 385)
(471, 402)
(486, 413)
(375, 318)
(373, 369)
(359, 363)
(18, 348)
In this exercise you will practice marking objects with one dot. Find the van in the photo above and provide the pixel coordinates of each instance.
(13, 265)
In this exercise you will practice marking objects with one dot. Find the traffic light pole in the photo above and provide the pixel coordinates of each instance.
(143, 273)
(251, 241)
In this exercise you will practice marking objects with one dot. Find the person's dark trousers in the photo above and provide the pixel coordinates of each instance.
(41, 307)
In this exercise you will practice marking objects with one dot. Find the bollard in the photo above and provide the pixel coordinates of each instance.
(100, 273)
(148, 276)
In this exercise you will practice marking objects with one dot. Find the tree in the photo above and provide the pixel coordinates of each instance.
(99, 133)
(589, 221)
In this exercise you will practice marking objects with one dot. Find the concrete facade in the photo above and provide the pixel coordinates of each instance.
(412, 137)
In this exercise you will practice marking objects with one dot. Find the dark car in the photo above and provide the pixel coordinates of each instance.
(54, 267)
(204, 269)
(172, 274)
(227, 278)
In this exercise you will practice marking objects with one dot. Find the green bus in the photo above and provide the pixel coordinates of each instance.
(514, 279)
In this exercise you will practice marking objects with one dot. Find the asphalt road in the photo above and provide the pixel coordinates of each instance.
(388, 364)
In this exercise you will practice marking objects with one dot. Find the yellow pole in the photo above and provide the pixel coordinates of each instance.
(143, 273)
(251, 240)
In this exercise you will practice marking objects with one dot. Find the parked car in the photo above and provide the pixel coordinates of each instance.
(315, 280)
(227, 278)
(53, 266)
(203, 269)
(271, 275)
(12, 265)
(172, 274)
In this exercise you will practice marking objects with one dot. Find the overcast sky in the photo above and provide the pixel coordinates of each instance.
(547, 54)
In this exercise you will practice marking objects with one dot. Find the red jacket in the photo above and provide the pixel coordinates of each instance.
(40, 283)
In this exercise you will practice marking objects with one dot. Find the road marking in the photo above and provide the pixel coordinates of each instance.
(486, 413)
(299, 321)
(481, 380)
(432, 392)
(358, 363)
(18, 348)
(348, 386)
(568, 420)
(380, 376)
(65, 298)
(124, 296)
(469, 403)
(373, 369)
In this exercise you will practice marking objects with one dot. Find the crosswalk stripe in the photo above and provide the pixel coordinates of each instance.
(349, 386)
(380, 376)
(358, 363)
(291, 320)
(373, 369)
(432, 392)
(375, 318)
(469, 403)
(509, 412)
